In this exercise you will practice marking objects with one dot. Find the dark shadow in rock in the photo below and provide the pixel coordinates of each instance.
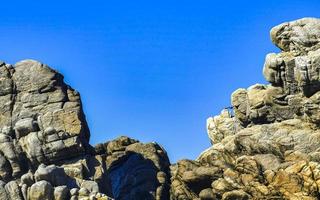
(134, 178)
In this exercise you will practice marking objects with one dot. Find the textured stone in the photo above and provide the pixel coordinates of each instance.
(41, 190)
(266, 146)
(61, 193)
(221, 126)
(54, 175)
(207, 194)
(300, 36)
(44, 144)
(137, 171)
(13, 190)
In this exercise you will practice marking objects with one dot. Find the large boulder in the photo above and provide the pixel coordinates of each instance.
(45, 151)
(136, 170)
(41, 190)
(41, 118)
(299, 36)
(46, 114)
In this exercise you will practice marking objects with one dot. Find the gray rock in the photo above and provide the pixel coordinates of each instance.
(40, 95)
(207, 194)
(13, 190)
(90, 186)
(134, 163)
(44, 136)
(3, 192)
(27, 179)
(84, 192)
(74, 192)
(25, 126)
(41, 190)
(53, 174)
(61, 193)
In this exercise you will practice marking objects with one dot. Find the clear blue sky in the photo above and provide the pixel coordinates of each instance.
(152, 70)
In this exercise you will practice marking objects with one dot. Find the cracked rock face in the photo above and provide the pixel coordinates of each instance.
(266, 147)
(44, 145)
(41, 118)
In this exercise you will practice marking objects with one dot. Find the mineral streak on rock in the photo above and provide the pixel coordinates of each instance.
(266, 147)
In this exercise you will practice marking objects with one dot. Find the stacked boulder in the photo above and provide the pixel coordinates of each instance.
(267, 147)
(44, 145)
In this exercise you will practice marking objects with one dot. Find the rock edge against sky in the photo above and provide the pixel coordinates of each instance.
(266, 147)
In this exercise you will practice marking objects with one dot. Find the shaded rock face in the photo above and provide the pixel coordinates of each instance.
(267, 146)
(137, 171)
(44, 145)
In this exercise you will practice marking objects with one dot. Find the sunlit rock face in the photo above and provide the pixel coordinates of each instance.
(267, 146)
(44, 145)
(41, 118)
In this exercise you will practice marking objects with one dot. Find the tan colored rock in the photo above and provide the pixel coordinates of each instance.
(266, 146)
(41, 190)
(221, 126)
(300, 36)
(274, 153)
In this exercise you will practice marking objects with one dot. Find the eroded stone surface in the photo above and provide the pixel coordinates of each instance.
(45, 151)
(267, 147)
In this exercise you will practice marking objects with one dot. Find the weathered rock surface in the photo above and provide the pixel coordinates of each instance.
(266, 147)
(44, 145)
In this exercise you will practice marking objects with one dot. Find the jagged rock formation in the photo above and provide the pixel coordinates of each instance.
(44, 145)
(266, 147)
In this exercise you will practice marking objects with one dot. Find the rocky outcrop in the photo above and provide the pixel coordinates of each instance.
(44, 145)
(136, 170)
(265, 146)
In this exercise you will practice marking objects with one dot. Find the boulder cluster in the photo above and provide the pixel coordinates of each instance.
(266, 146)
(45, 152)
